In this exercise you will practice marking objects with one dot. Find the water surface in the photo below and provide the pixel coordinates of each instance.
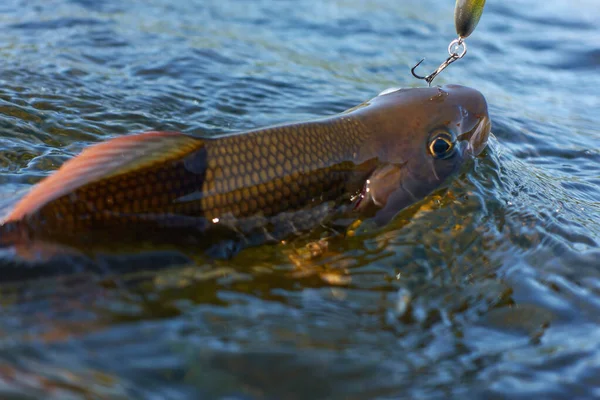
(490, 289)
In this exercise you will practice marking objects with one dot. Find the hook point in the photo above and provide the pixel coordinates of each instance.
(412, 70)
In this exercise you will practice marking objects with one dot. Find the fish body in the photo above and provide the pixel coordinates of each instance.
(382, 155)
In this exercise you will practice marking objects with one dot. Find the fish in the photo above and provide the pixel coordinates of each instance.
(374, 159)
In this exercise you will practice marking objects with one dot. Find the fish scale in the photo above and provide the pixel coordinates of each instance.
(285, 167)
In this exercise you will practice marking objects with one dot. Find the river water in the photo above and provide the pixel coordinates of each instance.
(490, 289)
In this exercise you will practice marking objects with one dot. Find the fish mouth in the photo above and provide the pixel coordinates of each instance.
(478, 136)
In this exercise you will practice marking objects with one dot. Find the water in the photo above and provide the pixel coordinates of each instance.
(489, 290)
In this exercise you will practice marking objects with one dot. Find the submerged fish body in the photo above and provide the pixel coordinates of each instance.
(382, 156)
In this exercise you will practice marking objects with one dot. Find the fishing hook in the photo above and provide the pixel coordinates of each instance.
(453, 48)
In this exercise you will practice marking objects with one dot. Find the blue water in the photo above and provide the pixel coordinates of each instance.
(488, 290)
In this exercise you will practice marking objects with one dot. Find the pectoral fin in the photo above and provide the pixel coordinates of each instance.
(388, 190)
(396, 201)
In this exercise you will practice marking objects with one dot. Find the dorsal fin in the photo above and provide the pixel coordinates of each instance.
(106, 160)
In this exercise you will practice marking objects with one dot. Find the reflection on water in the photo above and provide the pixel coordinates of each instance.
(489, 288)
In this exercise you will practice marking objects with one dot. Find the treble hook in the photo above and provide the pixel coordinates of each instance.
(453, 48)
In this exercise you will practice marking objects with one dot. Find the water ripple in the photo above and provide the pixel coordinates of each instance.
(490, 288)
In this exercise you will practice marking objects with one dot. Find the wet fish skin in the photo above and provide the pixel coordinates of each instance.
(264, 175)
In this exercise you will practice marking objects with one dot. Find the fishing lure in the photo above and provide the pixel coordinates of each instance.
(467, 14)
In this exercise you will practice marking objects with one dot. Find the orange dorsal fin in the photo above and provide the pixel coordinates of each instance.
(106, 160)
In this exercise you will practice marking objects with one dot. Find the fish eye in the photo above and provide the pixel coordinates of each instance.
(442, 145)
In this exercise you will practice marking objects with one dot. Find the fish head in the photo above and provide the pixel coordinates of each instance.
(421, 137)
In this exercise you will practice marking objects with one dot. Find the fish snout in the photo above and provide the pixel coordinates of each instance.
(474, 115)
